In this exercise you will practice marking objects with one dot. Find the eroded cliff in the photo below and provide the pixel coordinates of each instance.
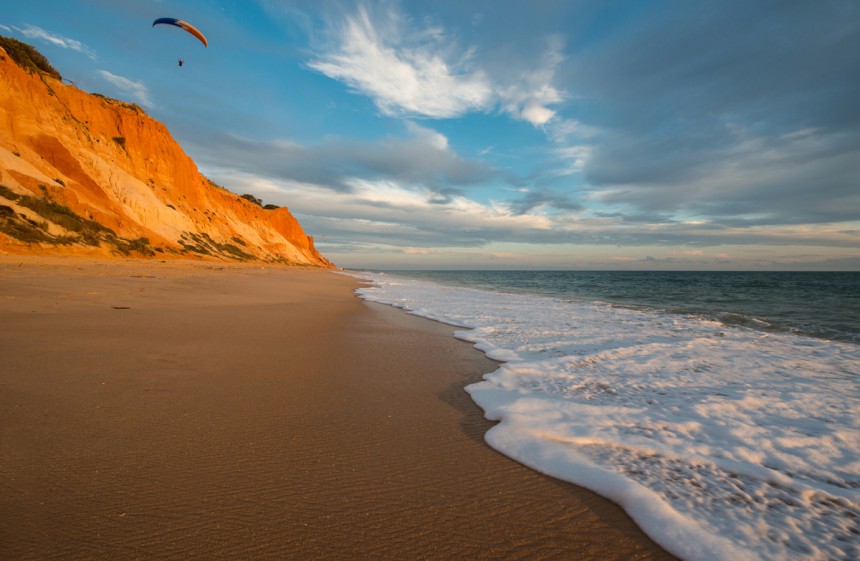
(84, 174)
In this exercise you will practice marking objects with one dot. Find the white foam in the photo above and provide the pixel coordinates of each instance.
(722, 443)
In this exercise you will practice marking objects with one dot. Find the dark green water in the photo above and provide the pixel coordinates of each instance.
(824, 305)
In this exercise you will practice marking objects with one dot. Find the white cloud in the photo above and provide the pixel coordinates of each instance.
(428, 136)
(410, 71)
(424, 251)
(574, 158)
(33, 32)
(560, 130)
(136, 90)
(389, 194)
(531, 97)
(388, 206)
(536, 114)
(406, 72)
(414, 205)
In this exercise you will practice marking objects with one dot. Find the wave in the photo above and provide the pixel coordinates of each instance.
(722, 441)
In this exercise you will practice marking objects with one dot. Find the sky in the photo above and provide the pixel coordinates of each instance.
(502, 134)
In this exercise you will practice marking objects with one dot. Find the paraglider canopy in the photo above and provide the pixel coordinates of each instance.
(182, 25)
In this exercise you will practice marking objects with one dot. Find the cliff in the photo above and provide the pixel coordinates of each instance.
(84, 174)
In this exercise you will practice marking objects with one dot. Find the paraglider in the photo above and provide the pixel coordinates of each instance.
(182, 25)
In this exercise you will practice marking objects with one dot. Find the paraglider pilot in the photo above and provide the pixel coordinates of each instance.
(182, 25)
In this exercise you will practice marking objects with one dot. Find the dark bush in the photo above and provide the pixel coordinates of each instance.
(133, 106)
(88, 232)
(140, 245)
(253, 199)
(27, 57)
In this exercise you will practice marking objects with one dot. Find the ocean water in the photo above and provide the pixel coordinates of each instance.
(720, 410)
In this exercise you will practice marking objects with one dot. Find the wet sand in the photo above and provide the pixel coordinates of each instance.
(190, 410)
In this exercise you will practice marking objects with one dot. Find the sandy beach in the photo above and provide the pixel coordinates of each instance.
(200, 410)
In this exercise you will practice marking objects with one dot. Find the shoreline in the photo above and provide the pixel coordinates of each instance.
(211, 410)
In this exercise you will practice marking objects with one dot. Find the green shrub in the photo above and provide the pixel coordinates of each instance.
(236, 253)
(21, 228)
(18, 226)
(27, 57)
(140, 245)
(65, 217)
(9, 193)
(203, 244)
(253, 199)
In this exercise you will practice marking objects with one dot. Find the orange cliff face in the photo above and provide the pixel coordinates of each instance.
(86, 175)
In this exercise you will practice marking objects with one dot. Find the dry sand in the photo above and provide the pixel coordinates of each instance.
(182, 410)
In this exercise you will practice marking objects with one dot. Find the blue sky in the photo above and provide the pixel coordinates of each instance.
(504, 134)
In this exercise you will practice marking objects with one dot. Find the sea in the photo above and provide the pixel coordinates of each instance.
(721, 410)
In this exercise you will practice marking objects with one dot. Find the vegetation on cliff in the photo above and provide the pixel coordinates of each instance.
(77, 229)
(27, 57)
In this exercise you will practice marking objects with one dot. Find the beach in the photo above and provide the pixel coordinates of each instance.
(204, 410)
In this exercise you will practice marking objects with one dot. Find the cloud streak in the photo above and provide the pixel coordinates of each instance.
(531, 99)
(33, 32)
(134, 89)
(421, 158)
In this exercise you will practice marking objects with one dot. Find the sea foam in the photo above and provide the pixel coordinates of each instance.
(722, 443)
